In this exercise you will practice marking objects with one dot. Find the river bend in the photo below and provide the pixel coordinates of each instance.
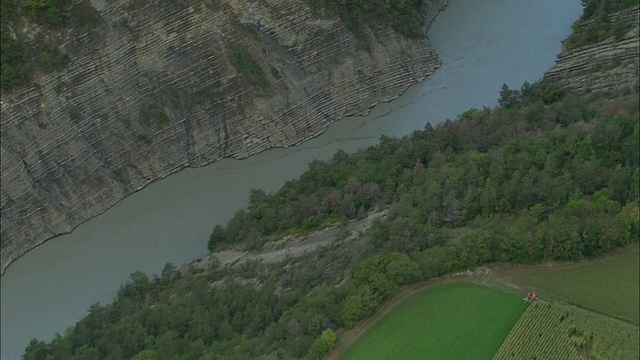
(482, 44)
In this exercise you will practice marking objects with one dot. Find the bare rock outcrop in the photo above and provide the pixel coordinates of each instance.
(609, 66)
(155, 88)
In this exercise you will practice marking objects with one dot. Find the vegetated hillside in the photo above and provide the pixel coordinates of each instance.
(548, 175)
(542, 177)
(602, 53)
(99, 98)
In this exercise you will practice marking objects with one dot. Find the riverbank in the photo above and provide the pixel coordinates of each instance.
(161, 102)
(171, 220)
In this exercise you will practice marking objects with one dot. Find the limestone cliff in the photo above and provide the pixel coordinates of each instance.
(607, 66)
(153, 89)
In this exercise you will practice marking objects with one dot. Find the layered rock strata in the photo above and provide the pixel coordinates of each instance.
(609, 66)
(155, 88)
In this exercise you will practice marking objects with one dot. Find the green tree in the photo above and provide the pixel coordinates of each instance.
(148, 354)
(509, 98)
(356, 307)
(619, 185)
(86, 352)
(36, 350)
(323, 344)
(634, 184)
(602, 232)
(14, 63)
(489, 197)
(218, 236)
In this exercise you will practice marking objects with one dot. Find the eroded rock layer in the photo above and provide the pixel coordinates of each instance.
(608, 66)
(155, 88)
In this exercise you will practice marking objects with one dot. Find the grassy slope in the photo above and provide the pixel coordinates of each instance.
(609, 286)
(432, 324)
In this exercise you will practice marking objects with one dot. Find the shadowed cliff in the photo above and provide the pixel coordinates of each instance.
(157, 86)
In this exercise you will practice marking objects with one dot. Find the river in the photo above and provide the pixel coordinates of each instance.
(482, 44)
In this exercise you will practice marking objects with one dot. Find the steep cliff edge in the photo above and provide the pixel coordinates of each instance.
(160, 86)
(606, 66)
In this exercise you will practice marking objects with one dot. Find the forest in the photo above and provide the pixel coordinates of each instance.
(546, 175)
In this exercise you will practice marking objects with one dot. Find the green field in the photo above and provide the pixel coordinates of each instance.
(555, 331)
(433, 324)
(610, 286)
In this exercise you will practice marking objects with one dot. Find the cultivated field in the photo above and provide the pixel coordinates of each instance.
(555, 331)
(610, 286)
(433, 324)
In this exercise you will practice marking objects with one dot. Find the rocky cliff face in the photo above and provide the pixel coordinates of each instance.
(608, 66)
(157, 88)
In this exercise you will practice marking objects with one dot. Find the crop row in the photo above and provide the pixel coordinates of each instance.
(554, 331)
(535, 334)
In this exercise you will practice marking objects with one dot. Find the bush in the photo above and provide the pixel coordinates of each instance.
(323, 344)
(404, 16)
(14, 63)
(218, 236)
(247, 66)
(53, 16)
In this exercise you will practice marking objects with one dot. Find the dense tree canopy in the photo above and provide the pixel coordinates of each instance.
(548, 175)
(542, 177)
